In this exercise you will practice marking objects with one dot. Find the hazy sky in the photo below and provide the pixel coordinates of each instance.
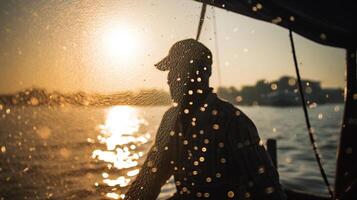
(72, 45)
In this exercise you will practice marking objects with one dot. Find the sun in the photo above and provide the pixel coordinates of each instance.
(119, 42)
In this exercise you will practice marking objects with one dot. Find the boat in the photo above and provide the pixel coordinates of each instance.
(331, 23)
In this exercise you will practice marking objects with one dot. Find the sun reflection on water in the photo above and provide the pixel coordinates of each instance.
(122, 134)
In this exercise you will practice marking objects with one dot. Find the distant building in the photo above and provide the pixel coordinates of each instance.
(283, 92)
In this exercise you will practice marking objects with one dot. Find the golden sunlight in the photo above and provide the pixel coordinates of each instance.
(121, 123)
(120, 135)
(119, 42)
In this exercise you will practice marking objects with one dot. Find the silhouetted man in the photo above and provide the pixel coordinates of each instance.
(211, 147)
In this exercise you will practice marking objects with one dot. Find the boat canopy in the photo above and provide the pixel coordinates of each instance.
(331, 23)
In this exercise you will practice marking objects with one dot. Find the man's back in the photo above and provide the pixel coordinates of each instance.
(216, 154)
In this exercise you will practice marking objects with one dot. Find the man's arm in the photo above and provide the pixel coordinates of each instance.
(259, 177)
(156, 168)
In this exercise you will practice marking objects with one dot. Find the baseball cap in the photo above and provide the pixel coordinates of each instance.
(189, 50)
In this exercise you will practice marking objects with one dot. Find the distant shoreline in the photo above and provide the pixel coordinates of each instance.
(279, 93)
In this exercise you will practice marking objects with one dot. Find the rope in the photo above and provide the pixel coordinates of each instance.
(312, 140)
(200, 24)
(202, 19)
(216, 46)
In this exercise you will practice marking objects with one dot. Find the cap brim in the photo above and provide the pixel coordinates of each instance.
(164, 64)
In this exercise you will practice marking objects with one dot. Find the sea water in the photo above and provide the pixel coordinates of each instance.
(74, 152)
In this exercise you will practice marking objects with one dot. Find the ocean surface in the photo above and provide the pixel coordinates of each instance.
(94, 152)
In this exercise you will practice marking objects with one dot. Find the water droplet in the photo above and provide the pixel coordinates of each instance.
(214, 112)
(237, 113)
(34, 101)
(336, 108)
(323, 36)
(269, 190)
(218, 175)
(277, 20)
(239, 99)
(274, 86)
(261, 170)
(230, 194)
(259, 6)
(3, 149)
(354, 96)
(247, 195)
(64, 152)
(150, 163)
(43, 132)
(184, 189)
(215, 126)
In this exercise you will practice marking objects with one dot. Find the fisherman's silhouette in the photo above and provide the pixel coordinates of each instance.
(211, 147)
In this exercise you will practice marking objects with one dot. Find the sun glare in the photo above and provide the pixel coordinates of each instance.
(119, 42)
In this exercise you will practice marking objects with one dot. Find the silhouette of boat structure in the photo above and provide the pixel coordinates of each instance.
(331, 23)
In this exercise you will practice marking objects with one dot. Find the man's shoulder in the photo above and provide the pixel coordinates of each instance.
(170, 114)
(232, 112)
(241, 129)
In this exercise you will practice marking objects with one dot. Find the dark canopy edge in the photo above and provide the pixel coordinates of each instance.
(331, 23)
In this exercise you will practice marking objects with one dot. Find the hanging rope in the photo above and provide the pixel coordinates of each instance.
(202, 19)
(312, 140)
(200, 24)
(216, 46)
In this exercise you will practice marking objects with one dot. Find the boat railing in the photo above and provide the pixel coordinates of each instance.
(292, 194)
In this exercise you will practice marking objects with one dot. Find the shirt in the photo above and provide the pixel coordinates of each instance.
(218, 155)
